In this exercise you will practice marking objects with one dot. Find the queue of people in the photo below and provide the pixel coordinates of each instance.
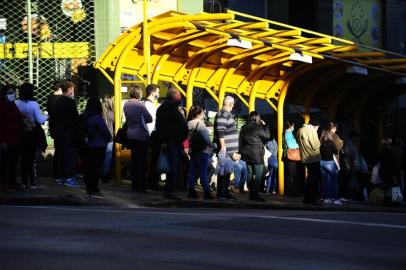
(245, 159)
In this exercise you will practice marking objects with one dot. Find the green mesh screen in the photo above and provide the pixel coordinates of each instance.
(63, 43)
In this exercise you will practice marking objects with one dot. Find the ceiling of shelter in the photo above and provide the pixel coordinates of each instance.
(193, 50)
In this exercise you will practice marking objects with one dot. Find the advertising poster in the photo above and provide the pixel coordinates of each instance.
(359, 21)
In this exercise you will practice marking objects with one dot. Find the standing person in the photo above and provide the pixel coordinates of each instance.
(328, 167)
(108, 116)
(309, 146)
(272, 181)
(10, 137)
(226, 141)
(171, 131)
(97, 136)
(137, 117)
(151, 103)
(293, 169)
(65, 118)
(253, 136)
(34, 141)
(199, 153)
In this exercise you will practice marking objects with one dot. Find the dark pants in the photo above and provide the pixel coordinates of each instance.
(199, 162)
(312, 182)
(174, 152)
(139, 157)
(153, 176)
(8, 165)
(223, 183)
(294, 177)
(29, 165)
(255, 172)
(65, 156)
(94, 159)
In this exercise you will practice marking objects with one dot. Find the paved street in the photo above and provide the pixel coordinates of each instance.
(37, 237)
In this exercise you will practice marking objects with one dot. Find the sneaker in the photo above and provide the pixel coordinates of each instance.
(328, 201)
(192, 194)
(35, 187)
(71, 182)
(59, 181)
(344, 199)
(228, 196)
(338, 202)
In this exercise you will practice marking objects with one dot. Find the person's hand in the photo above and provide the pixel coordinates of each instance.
(163, 146)
(262, 122)
(236, 157)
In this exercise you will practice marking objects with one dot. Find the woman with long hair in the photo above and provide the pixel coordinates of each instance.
(34, 141)
(328, 168)
(253, 136)
(199, 154)
(97, 138)
(108, 116)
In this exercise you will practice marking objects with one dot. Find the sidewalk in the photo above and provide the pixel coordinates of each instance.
(122, 196)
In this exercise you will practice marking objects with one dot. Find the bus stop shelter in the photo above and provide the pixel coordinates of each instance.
(253, 58)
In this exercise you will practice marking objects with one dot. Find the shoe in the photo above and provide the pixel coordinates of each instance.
(208, 196)
(97, 194)
(229, 197)
(34, 187)
(192, 194)
(71, 182)
(59, 181)
(256, 198)
(274, 193)
(337, 202)
(171, 196)
(328, 201)
(342, 199)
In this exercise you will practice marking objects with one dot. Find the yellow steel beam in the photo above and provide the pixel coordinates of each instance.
(356, 55)
(384, 61)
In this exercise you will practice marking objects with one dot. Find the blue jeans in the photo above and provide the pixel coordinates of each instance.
(240, 173)
(107, 158)
(272, 182)
(199, 161)
(329, 183)
(174, 151)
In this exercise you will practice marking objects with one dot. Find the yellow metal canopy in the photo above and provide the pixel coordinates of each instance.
(264, 62)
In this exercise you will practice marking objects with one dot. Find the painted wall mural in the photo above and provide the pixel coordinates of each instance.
(359, 21)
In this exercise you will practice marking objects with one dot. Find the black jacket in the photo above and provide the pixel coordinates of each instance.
(170, 124)
(252, 140)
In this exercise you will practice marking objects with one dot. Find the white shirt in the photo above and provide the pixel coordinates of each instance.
(151, 108)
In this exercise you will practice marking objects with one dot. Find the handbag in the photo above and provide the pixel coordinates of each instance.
(163, 163)
(293, 154)
(121, 135)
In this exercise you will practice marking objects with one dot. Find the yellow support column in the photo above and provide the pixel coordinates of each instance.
(146, 42)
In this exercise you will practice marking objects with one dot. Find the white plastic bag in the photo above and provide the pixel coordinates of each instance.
(396, 195)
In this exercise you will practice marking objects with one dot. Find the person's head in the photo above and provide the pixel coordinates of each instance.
(254, 117)
(173, 95)
(332, 126)
(152, 91)
(56, 86)
(68, 88)
(8, 93)
(314, 123)
(228, 103)
(326, 135)
(196, 112)
(94, 105)
(26, 91)
(108, 103)
(289, 126)
(135, 92)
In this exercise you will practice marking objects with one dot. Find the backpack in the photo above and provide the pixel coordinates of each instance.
(197, 142)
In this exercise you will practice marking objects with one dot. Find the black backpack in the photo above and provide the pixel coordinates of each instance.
(197, 142)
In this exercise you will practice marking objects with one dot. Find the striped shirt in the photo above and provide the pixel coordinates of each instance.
(225, 127)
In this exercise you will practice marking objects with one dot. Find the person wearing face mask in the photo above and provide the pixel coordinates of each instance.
(10, 137)
(171, 131)
(152, 92)
(66, 118)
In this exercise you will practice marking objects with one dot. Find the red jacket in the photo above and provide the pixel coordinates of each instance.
(10, 123)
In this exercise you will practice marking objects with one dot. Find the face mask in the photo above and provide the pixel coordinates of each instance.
(156, 96)
(72, 95)
(11, 97)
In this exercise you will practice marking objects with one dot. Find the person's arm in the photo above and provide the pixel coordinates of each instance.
(264, 133)
(38, 116)
(314, 141)
(103, 129)
(220, 130)
(205, 132)
(147, 116)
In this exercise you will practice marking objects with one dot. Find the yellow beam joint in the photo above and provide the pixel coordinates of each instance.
(271, 104)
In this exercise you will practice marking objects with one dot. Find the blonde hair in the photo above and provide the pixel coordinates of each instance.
(107, 105)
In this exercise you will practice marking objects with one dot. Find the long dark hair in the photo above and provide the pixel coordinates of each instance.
(94, 105)
(255, 117)
(326, 135)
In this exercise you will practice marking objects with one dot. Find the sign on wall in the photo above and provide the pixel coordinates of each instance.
(359, 21)
(131, 11)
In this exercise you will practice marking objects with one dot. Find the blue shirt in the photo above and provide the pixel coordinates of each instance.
(31, 109)
(290, 140)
